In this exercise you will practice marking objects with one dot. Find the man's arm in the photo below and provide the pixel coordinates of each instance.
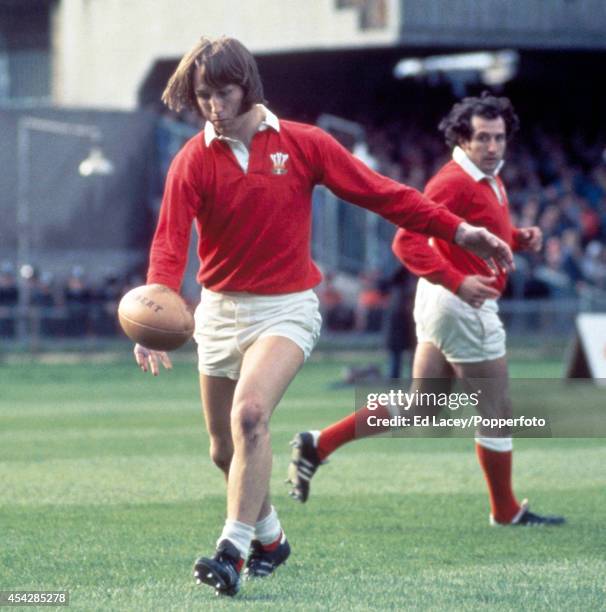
(170, 245)
(169, 249)
(180, 204)
(149, 361)
(528, 239)
(353, 181)
(494, 251)
(415, 252)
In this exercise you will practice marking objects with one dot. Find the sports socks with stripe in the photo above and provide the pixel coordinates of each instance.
(351, 427)
(240, 535)
(268, 530)
(495, 457)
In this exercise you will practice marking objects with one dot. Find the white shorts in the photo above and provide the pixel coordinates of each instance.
(463, 334)
(228, 323)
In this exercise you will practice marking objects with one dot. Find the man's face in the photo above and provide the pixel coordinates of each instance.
(220, 105)
(487, 144)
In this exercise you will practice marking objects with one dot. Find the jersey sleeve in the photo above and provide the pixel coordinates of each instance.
(516, 239)
(170, 245)
(353, 181)
(417, 254)
(415, 251)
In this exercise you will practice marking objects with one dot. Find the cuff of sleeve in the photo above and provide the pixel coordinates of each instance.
(445, 226)
(516, 246)
(452, 280)
(167, 281)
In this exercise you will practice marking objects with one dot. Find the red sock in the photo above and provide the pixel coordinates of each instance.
(353, 426)
(497, 470)
(273, 545)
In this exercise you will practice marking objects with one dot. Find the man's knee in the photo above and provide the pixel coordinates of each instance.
(501, 408)
(221, 453)
(250, 420)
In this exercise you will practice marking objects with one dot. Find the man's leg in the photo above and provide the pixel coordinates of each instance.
(217, 395)
(268, 367)
(494, 446)
(429, 362)
(312, 448)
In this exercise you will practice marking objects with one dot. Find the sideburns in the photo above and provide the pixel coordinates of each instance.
(244, 106)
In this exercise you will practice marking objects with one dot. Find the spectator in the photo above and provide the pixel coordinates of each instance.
(9, 298)
(371, 304)
(590, 222)
(530, 212)
(400, 328)
(77, 295)
(105, 305)
(551, 273)
(593, 264)
(572, 256)
(337, 315)
(42, 300)
(550, 221)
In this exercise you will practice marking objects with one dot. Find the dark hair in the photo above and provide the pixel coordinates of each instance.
(225, 61)
(456, 126)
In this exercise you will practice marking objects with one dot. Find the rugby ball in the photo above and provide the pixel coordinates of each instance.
(156, 317)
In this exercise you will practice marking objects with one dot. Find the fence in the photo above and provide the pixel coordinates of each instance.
(347, 238)
(529, 322)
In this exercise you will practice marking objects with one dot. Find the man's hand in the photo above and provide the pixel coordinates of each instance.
(482, 243)
(476, 289)
(149, 360)
(530, 239)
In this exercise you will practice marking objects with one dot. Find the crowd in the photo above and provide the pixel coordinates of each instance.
(73, 306)
(555, 182)
(554, 179)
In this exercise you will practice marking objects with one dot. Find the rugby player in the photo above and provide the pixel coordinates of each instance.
(246, 180)
(459, 332)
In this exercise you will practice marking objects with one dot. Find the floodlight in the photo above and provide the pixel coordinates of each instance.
(493, 67)
(96, 164)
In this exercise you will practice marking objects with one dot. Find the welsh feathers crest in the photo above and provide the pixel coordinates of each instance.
(279, 162)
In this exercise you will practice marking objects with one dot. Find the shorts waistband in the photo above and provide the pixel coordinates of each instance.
(426, 288)
(258, 298)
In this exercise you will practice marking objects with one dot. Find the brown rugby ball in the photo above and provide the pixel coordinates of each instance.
(156, 317)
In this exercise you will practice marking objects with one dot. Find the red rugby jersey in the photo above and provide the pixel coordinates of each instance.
(443, 262)
(254, 227)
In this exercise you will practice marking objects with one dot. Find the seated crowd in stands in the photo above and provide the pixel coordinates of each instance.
(68, 307)
(558, 184)
(554, 182)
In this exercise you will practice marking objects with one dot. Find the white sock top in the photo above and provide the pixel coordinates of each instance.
(268, 530)
(239, 534)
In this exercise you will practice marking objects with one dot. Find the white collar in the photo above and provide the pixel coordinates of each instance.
(476, 174)
(269, 121)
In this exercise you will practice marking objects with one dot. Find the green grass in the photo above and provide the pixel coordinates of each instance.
(107, 491)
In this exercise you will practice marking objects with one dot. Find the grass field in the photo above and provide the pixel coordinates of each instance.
(107, 492)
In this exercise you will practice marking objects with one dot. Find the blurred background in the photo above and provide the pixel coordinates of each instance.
(86, 145)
